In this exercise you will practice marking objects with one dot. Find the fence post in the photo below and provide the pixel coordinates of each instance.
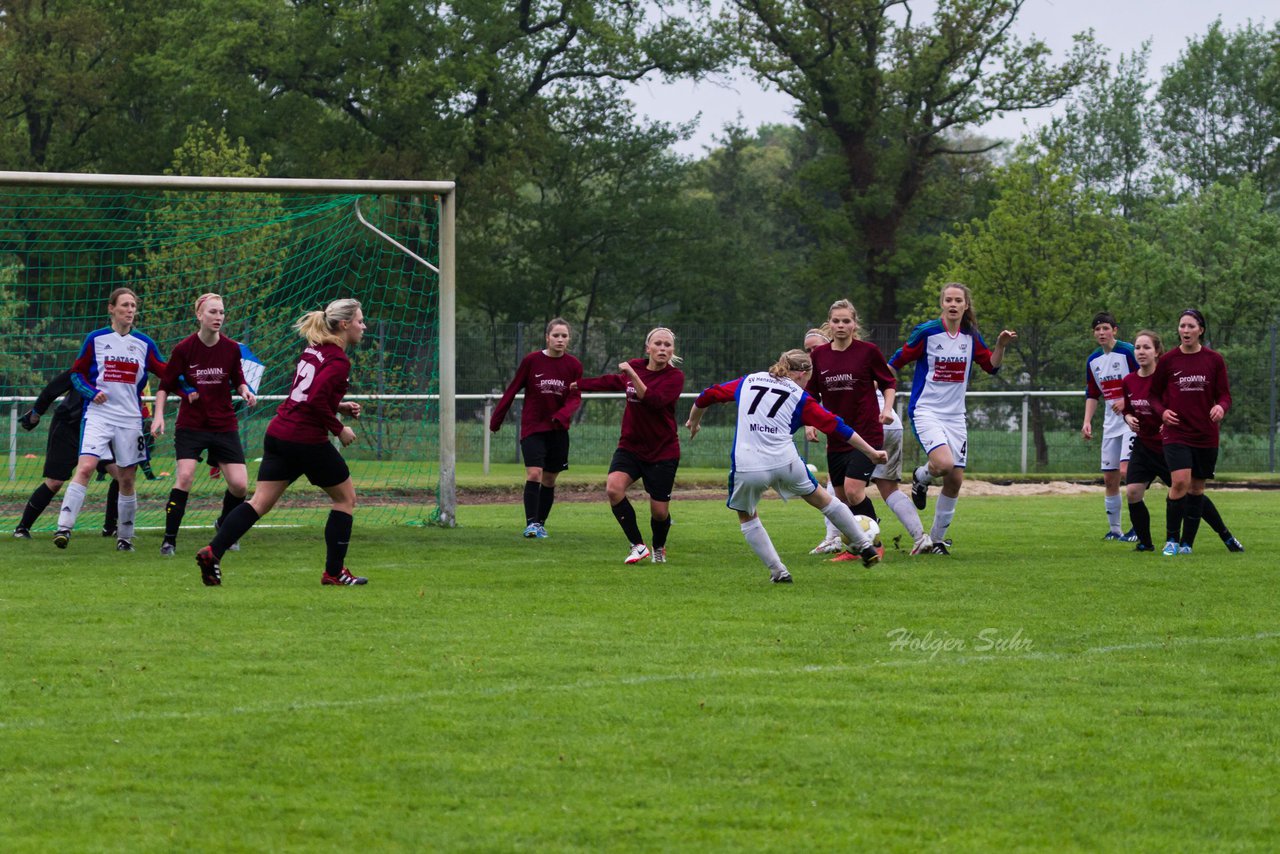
(488, 413)
(13, 441)
(1026, 412)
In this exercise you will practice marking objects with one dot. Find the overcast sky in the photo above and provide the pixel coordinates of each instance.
(1119, 25)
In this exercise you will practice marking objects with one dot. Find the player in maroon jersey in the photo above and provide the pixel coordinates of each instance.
(546, 377)
(297, 443)
(1191, 394)
(1146, 460)
(649, 448)
(210, 364)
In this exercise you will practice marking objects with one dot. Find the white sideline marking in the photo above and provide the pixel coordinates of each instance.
(591, 685)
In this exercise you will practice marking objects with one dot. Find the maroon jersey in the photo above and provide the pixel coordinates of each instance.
(1137, 402)
(548, 402)
(845, 382)
(1191, 384)
(212, 371)
(310, 413)
(648, 425)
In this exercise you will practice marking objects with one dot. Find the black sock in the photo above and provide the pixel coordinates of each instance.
(546, 497)
(865, 508)
(531, 488)
(235, 526)
(173, 513)
(229, 502)
(660, 529)
(1174, 510)
(112, 513)
(36, 504)
(337, 536)
(626, 516)
(1140, 519)
(1209, 513)
(1191, 521)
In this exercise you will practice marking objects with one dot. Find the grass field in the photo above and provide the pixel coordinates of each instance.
(1036, 690)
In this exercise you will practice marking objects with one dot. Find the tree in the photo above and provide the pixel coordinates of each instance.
(1219, 109)
(893, 94)
(1037, 264)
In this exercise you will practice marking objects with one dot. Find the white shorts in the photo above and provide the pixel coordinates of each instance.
(746, 488)
(1116, 450)
(934, 432)
(892, 470)
(127, 445)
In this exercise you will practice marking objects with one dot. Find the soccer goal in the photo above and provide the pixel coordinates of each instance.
(273, 248)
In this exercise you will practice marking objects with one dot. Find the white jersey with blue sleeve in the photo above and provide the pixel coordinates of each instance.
(117, 365)
(943, 364)
(1104, 379)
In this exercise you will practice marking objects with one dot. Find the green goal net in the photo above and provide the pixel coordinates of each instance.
(272, 256)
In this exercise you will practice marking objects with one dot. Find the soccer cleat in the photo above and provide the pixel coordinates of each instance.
(531, 531)
(639, 552)
(342, 579)
(843, 556)
(1232, 544)
(1131, 537)
(1170, 549)
(779, 576)
(659, 555)
(1143, 547)
(24, 534)
(1113, 537)
(1184, 549)
(870, 557)
(62, 538)
(541, 532)
(919, 492)
(940, 548)
(210, 569)
(124, 545)
(168, 549)
(108, 532)
(827, 546)
(922, 546)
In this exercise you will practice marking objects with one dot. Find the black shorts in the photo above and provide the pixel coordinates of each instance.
(548, 450)
(659, 477)
(853, 465)
(1201, 461)
(287, 461)
(62, 451)
(224, 447)
(1145, 466)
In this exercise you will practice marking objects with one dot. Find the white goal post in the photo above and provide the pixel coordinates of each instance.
(445, 190)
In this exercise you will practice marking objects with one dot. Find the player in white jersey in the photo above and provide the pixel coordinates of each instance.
(944, 351)
(1105, 370)
(771, 406)
(110, 373)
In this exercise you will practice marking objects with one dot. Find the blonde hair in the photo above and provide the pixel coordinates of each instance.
(818, 332)
(845, 305)
(324, 327)
(675, 360)
(1155, 339)
(791, 360)
(203, 298)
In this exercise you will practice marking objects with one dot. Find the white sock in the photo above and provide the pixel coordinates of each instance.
(72, 501)
(758, 539)
(832, 532)
(127, 506)
(907, 514)
(944, 511)
(1113, 513)
(923, 476)
(839, 513)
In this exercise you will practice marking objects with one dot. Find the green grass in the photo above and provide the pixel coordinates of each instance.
(490, 693)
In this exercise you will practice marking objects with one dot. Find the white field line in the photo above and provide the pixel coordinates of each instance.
(922, 658)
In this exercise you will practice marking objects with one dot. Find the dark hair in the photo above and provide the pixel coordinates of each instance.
(1103, 317)
(557, 321)
(1199, 318)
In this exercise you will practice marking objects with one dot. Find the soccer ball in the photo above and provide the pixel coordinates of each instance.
(869, 525)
